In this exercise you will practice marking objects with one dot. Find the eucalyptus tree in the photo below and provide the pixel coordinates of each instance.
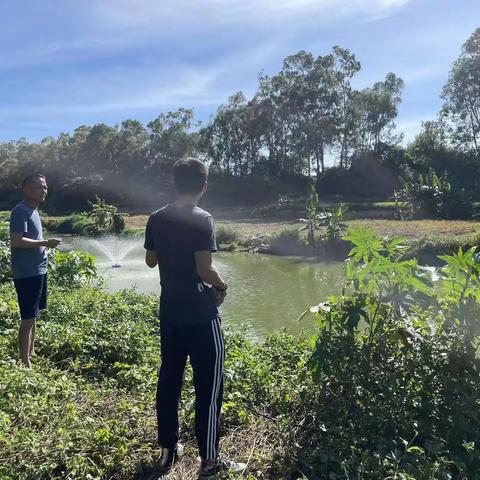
(8, 163)
(461, 95)
(225, 135)
(272, 95)
(304, 104)
(346, 67)
(376, 110)
(320, 108)
(431, 139)
(170, 138)
(130, 148)
(97, 150)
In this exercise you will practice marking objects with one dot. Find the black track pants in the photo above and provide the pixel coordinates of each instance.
(204, 344)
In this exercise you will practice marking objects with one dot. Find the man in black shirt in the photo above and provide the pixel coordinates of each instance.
(180, 239)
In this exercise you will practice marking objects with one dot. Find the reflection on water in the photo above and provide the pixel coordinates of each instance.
(266, 293)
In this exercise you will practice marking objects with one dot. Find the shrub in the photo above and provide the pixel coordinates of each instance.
(67, 270)
(395, 370)
(226, 235)
(78, 224)
(289, 242)
(4, 231)
(5, 262)
(72, 269)
(432, 197)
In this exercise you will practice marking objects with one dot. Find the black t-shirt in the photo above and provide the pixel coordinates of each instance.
(175, 234)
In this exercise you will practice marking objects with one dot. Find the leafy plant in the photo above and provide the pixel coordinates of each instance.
(226, 235)
(4, 230)
(432, 197)
(319, 218)
(332, 222)
(72, 269)
(395, 368)
(105, 217)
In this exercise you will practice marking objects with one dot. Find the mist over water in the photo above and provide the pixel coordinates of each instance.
(266, 293)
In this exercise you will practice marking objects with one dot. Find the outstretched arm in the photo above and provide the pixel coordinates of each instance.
(17, 240)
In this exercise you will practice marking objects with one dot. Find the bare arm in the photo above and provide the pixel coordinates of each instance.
(207, 271)
(151, 258)
(19, 241)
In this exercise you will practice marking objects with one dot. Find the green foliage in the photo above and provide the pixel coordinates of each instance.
(461, 93)
(66, 270)
(100, 219)
(4, 248)
(314, 217)
(5, 262)
(289, 242)
(432, 197)
(395, 368)
(4, 231)
(105, 217)
(333, 223)
(329, 221)
(388, 388)
(72, 269)
(227, 235)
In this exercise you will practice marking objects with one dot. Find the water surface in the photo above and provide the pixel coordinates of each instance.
(266, 293)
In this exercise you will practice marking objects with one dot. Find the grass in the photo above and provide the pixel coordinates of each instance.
(236, 229)
(417, 229)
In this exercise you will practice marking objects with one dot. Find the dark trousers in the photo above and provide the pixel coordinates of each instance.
(205, 346)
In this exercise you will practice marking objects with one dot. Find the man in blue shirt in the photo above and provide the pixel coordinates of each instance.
(29, 260)
(180, 239)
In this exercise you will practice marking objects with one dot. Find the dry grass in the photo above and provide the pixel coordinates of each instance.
(436, 230)
(250, 445)
(415, 229)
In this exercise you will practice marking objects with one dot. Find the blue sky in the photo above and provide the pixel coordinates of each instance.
(65, 63)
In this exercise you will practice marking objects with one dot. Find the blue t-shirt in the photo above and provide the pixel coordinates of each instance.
(27, 262)
(175, 234)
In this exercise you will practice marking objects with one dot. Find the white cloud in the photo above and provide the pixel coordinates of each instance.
(92, 29)
(124, 89)
(141, 13)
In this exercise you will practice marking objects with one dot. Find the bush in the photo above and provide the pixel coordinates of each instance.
(432, 197)
(226, 235)
(396, 375)
(72, 269)
(5, 262)
(289, 242)
(86, 408)
(77, 224)
(66, 270)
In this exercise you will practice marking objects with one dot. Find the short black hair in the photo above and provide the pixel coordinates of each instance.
(29, 179)
(189, 175)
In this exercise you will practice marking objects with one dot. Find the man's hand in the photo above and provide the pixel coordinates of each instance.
(219, 296)
(53, 242)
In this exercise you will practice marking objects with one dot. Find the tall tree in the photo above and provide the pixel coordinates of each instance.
(377, 108)
(462, 97)
(130, 148)
(346, 67)
(171, 138)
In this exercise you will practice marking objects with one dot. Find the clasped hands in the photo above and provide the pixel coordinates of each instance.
(219, 296)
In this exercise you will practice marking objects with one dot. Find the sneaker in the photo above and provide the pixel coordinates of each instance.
(209, 470)
(168, 458)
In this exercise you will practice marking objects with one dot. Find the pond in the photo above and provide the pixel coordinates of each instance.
(266, 293)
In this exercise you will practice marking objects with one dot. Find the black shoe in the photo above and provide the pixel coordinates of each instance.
(168, 458)
(209, 471)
